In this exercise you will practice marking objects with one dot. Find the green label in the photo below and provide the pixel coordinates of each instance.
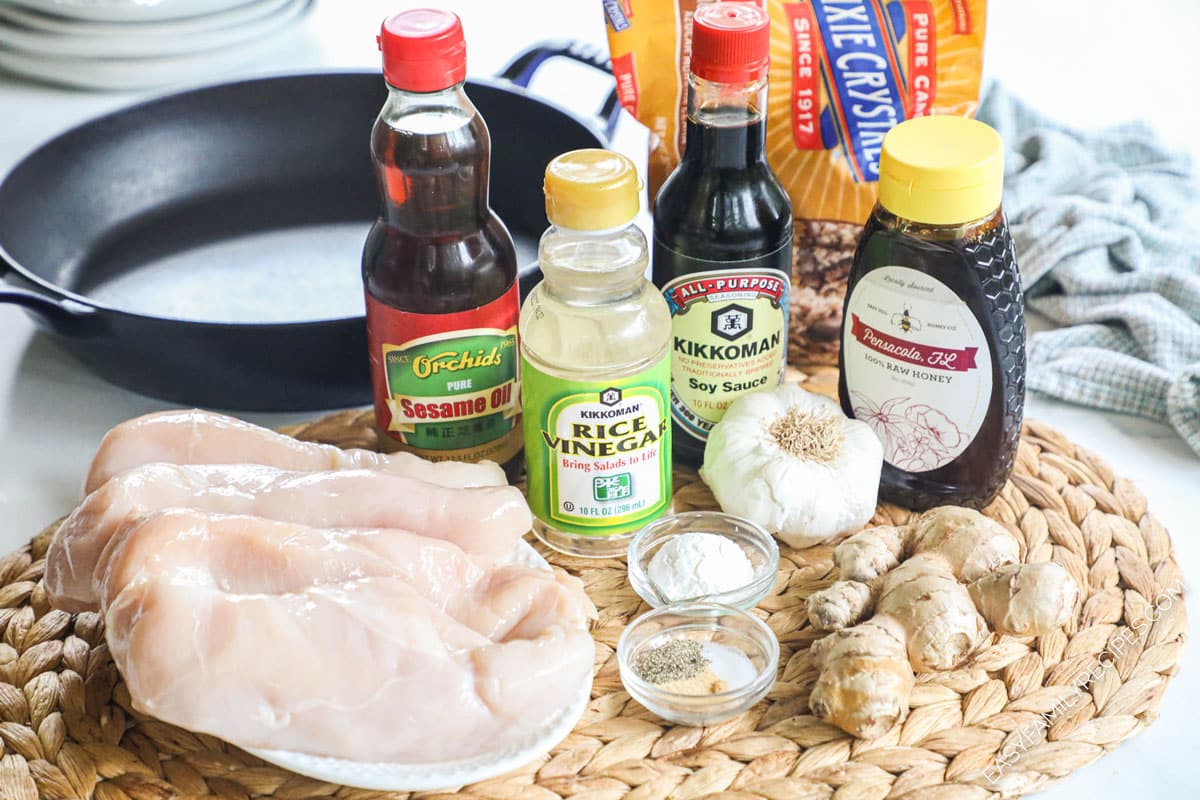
(453, 392)
(598, 454)
(456, 362)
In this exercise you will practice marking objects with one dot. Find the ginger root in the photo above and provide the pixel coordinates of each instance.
(938, 587)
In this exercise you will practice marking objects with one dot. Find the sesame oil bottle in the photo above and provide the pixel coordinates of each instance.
(439, 267)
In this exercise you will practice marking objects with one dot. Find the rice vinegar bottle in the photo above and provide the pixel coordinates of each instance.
(595, 364)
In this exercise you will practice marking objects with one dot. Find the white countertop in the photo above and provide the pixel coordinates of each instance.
(1088, 62)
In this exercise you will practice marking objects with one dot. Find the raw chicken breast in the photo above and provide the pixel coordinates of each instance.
(249, 555)
(361, 644)
(485, 521)
(202, 437)
(367, 670)
(296, 596)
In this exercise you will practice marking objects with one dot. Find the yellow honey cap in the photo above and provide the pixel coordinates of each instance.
(941, 170)
(591, 190)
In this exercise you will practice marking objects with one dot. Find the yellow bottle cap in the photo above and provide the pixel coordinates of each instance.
(591, 190)
(941, 170)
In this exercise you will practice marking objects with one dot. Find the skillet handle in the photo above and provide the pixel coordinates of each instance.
(521, 69)
(64, 315)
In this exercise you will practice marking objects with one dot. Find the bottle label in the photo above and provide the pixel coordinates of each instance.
(728, 337)
(598, 453)
(447, 386)
(917, 366)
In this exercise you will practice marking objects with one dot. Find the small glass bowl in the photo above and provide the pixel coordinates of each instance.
(758, 545)
(708, 622)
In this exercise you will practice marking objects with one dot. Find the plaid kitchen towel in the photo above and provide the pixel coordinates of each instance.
(1099, 222)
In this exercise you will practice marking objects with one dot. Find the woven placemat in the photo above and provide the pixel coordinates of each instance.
(1012, 721)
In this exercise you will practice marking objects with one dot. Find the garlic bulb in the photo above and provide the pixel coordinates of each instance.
(790, 460)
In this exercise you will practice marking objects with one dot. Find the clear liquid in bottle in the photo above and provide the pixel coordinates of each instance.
(594, 342)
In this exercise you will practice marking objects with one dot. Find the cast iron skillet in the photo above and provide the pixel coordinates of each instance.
(229, 204)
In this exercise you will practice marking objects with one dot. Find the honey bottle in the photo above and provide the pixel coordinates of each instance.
(933, 333)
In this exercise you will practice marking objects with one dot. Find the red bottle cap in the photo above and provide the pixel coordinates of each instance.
(731, 42)
(423, 50)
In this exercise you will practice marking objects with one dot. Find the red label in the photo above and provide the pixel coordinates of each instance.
(447, 386)
(950, 359)
(806, 76)
(625, 72)
(761, 285)
(962, 16)
(922, 57)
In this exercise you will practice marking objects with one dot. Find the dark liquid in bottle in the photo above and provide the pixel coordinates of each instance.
(978, 264)
(438, 248)
(722, 209)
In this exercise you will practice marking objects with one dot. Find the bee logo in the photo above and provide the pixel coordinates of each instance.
(906, 322)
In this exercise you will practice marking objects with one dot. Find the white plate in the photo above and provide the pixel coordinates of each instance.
(130, 10)
(32, 20)
(142, 73)
(382, 777)
(131, 44)
(386, 777)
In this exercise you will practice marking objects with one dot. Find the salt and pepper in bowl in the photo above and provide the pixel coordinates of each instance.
(698, 663)
(700, 656)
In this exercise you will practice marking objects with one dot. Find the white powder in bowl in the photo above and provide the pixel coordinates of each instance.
(729, 664)
(693, 565)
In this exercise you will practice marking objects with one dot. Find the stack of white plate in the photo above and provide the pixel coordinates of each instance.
(136, 44)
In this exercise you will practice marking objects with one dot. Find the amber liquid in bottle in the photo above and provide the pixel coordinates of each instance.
(722, 213)
(976, 263)
(438, 248)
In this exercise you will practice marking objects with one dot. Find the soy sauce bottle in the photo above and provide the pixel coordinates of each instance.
(933, 334)
(439, 267)
(723, 231)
